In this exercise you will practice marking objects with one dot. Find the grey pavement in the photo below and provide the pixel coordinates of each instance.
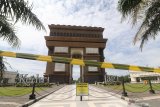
(65, 97)
(152, 101)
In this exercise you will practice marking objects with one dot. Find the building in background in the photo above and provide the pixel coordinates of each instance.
(11, 76)
(142, 76)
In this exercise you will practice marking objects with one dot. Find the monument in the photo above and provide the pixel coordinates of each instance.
(79, 42)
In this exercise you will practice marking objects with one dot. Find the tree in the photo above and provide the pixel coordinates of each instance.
(148, 11)
(2, 67)
(12, 11)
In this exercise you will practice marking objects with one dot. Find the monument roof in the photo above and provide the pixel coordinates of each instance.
(74, 27)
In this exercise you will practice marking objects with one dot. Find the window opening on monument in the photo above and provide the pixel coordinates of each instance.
(59, 67)
(61, 50)
(92, 50)
(76, 73)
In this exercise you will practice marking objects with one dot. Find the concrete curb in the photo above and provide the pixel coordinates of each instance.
(128, 99)
(39, 98)
(132, 101)
(125, 98)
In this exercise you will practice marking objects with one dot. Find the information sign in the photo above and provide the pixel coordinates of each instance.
(82, 89)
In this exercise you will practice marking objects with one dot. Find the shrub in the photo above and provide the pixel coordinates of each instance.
(23, 85)
(37, 85)
(43, 85)
(118, 83)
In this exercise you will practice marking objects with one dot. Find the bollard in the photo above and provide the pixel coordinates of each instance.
(96, 82)
(80, 98)
(57, 83)
(151, 89)
(33, 96)
(124, 93)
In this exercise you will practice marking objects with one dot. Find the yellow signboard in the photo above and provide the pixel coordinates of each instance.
(82, 89)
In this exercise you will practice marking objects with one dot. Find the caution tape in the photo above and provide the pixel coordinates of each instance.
(78, 61)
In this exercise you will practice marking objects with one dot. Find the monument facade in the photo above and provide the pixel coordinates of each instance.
(79, 42)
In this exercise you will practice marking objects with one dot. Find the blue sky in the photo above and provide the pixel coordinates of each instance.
(99, 13)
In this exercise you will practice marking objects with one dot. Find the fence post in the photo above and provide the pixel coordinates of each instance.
(57, 83)
(96, 82)
(81, 98)
(33, 96)
(151, 89)
(124, 93)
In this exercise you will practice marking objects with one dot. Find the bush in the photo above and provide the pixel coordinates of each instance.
(105, 84)
(37, 85)
(23, 85)
(112, 83)
(43, 85)
(118, 83)
(126, 79)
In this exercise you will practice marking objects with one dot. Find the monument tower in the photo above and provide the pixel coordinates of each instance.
(79, 42)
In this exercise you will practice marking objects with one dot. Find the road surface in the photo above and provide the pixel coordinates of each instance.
(66, 97)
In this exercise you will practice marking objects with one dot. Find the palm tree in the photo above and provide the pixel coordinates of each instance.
(2, 67)
(147, 11)
(14, 11)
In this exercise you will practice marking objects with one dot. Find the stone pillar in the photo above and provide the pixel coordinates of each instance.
(133, 79)
(48, 79)
(158, 79)
(105, 78)
(82, 73)
(140, 79)
(70, 76)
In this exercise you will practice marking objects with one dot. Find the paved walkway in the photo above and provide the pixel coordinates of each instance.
(16, 101)
(66, 97)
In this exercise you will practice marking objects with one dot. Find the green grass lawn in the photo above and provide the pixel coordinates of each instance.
(16, 91)
(134, 87)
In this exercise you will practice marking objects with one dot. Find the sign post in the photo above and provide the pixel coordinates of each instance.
(82, 90)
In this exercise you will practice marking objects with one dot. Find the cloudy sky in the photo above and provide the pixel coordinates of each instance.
(99, 13)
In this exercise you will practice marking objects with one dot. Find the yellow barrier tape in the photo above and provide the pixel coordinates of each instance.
(77, 62)
(45, 58)
(156, 70)
(134, 68)
(107, 65)
(9, 54)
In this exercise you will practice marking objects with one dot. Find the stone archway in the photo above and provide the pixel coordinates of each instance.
(75, 42)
